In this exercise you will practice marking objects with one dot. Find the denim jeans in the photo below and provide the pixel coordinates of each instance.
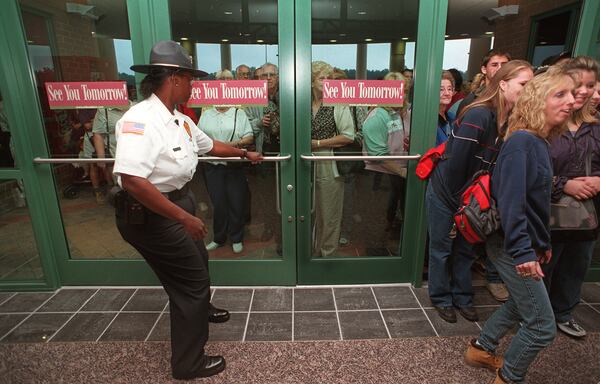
(450, 260)
(528, 303)
(565, 274)
(491, 273)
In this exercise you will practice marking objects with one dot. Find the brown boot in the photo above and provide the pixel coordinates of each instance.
(499, 379)
(478, 357)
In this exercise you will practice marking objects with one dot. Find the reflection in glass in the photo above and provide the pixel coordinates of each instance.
(82, 41)
(239, 36)
(7, 148)
(19, 257)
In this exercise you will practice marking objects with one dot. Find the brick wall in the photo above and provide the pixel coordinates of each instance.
(512, 32)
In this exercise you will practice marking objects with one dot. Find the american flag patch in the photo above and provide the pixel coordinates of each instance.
(132, 127)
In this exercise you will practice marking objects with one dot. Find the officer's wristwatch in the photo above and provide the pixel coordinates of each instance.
(244, 153)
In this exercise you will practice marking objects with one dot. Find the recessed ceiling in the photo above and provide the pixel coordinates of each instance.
(346, 21)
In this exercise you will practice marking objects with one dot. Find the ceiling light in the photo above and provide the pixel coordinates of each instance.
(464, 34)
(247, 34)
(489, 33)
(405, 38)
(368, 39)
(260, 41)
(224, 40)
(228, 13)
(361, 13)
(342, 35)
(333, 41)
(446, 36)
(543, 43)
(184, 39)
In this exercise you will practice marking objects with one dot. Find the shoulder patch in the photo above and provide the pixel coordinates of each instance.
(133, 127)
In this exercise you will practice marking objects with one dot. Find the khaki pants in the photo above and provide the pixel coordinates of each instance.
(329, 207)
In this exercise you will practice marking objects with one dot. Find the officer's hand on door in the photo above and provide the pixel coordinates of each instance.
(195, 227)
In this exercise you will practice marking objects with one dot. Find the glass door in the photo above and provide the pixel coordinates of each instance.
(245, 40)
(352, 218)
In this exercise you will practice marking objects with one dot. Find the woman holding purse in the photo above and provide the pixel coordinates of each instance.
(574, 154)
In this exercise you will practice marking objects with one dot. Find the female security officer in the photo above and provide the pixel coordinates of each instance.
(157, 155)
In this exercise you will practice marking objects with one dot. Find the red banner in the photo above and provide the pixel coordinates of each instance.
(363, 92)
(229, 93)
(96, 94)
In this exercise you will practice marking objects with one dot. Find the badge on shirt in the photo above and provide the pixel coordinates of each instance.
(133, 127)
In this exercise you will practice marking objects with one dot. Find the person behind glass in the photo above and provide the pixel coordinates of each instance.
(446, 93)
(331, 127)
(157, 155)
(521, 185)
(472, 146)
(226, 182)
(86, 119)
(265, 120)
(104, 139)
(359, 113)
(384, 134)
(572, 250)
(242, 72)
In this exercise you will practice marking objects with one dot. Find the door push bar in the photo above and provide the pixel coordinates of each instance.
(76, 160)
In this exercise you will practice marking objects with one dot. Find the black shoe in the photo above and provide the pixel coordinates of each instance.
(446, 313)
(217, 315)
(468, 313)
(212, 365)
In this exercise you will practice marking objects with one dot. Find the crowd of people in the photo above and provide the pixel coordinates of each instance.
(535, 131)
(538, 134)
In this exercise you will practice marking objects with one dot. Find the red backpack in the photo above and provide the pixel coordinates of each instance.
(429, 161)
(477, 217)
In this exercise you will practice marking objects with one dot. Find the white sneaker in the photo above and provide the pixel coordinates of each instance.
(571, 328)
(212, 246)
(237, 247)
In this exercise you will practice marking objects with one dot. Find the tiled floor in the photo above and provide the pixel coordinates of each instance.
(257, 314)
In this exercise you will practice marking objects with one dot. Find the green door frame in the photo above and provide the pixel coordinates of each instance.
(408, 267)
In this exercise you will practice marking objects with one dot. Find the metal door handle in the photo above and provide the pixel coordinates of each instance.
(77, 160)
(359, 158)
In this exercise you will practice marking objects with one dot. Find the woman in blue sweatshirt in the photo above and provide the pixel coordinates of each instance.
(522, 185)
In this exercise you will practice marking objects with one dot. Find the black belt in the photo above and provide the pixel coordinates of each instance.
(178, 193)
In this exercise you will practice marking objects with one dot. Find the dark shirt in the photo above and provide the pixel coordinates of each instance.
(569, 155)
(521, 185)
(472, 146)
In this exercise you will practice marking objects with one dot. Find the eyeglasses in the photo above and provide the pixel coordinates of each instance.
(268, 75)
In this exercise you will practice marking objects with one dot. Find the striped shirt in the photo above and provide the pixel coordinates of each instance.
(471, 147)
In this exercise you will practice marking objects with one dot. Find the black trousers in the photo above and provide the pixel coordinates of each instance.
(228, 190)
(181, 264)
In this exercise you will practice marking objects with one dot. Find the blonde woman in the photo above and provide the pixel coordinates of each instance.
(331, 127)
(572, 250)
(521, 185)
(226, 182)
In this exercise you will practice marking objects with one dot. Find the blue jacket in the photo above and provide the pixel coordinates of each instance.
(472, 146)
(522, 185)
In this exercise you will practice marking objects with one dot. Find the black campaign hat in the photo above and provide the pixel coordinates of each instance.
(169, 54)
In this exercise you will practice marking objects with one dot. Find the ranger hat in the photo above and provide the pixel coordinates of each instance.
(169, 54)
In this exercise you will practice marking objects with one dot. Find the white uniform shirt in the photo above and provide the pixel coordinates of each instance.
(153, 143)
(220, 125)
